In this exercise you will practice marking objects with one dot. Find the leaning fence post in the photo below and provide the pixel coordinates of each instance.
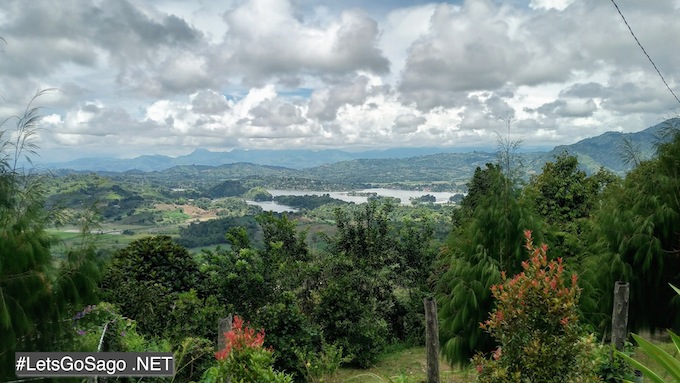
(223, 326)
(432, 340)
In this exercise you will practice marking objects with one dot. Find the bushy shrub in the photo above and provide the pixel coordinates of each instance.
(290, 333)
(244, 359)
(119, 333)
(352, 318)
(191, 315)
(144, 279)
(323, 364)
(536, 324)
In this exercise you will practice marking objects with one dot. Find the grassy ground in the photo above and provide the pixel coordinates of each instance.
(407, 365)
(108, 235)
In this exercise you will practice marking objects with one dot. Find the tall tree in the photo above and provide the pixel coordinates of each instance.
(637, 239)
(145, 278)
(36, 290)
(474, 255)
(565, 197)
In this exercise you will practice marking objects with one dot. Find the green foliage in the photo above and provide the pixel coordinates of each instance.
(192, 358)
(238, 279)
(323, 364)
(351, 313)
(486, 240)
(611, 367)
(308, 202)
(368, 279)
(566, 197)
(282, 242)
(193, 316)
(482, 183)
(290, 332)
(145, 278)
(244, 359)
(213, 232)
(635, 239)
(535, 322)
(563, 193)
(229, 188)
(258, 194)
(101, 327)
(425, 199)
(36, 290)
(669, 363)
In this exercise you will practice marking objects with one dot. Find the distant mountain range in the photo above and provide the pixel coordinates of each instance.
(293, 159)
(608, 150)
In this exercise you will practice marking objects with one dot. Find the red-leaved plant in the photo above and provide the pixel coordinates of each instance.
(244, 358)
(240, 338)
(535, 322)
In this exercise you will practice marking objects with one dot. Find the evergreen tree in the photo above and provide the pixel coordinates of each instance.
(470, 263)
(637, 239)
(36, 290)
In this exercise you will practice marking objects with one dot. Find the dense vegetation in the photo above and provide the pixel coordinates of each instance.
(307, 202)
(337, 283)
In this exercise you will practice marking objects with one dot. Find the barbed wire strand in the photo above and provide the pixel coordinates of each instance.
(644, 51)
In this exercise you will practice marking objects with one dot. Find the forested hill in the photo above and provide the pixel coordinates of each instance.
(615, 150)
(612, 150)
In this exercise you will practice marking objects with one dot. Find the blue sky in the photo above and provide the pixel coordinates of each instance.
(168, 76)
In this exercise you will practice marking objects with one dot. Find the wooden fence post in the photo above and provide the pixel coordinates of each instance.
(432, 340)
(223, 325)
(620, 315)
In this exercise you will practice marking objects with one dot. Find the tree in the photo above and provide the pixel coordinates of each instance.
(637, 239)
(565, 196)
(36, 290)
(367, 265)
(488, 241)
(144, 279)
(562, 193)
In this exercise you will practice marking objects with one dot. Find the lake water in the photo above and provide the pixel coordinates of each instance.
(403, 195)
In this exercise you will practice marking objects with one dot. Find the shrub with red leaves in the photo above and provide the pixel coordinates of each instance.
(244, 359)
(535, 323)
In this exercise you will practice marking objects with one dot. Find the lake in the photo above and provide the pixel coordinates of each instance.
(403, 195)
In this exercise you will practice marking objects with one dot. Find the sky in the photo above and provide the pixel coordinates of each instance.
(131, 77)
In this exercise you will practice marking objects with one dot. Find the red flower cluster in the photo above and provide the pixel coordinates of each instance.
(240, 337)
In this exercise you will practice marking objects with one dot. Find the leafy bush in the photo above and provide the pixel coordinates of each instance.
(191, 315)
(192, 358)
(536, 324)
(319, 365)
(103, 323)
(352, 319)
(612, 367)
(244, 359)
(101, 327)
(144, 278)
(291, 333)
(36, 288)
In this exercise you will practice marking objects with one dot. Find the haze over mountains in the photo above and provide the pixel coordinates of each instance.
(609, 150)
